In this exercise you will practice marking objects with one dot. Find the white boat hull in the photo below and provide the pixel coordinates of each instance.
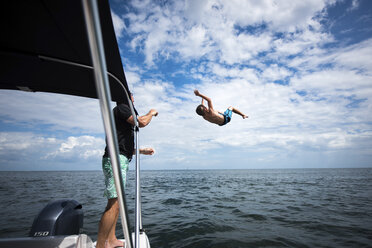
(144, 240)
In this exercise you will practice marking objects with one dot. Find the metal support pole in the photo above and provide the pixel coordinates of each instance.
(138, 222)
(103, 90)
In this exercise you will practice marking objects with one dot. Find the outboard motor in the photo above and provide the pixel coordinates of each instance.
(62, 217)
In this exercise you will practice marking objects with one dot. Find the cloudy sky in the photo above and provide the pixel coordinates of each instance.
(301, 71)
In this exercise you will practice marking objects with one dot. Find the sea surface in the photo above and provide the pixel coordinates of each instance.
(211, 208)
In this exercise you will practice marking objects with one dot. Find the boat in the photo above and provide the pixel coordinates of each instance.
(61, 46)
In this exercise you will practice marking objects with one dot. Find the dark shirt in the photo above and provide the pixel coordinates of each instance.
(124, 131)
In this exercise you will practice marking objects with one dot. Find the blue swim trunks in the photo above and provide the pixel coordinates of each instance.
(227, 116)
(110, 190)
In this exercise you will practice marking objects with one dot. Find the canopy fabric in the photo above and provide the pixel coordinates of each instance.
(44, 42)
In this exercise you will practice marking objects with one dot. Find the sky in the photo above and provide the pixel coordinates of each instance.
(301, 71)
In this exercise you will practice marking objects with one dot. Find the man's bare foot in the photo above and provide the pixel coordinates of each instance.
(114, 243)
(245, 116)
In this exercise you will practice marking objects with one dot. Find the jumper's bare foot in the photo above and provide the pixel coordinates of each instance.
(114, 243)
(245, 116)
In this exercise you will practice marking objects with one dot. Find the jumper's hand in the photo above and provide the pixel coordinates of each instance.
(147, 151)
(196, 92)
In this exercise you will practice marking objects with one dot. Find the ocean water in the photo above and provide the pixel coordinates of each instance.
(211, 208)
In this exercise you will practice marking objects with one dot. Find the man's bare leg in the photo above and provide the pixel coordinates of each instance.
(112, 239)
(237, 111)
(106, 232)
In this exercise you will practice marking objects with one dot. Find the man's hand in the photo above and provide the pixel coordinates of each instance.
(147, 151)
(196, 92)
(153, 112)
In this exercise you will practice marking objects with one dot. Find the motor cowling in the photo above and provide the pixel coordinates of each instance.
(62, 217)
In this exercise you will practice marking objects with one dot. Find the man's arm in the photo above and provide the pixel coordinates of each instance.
(144, 120)
(145, 151)
(197, 93)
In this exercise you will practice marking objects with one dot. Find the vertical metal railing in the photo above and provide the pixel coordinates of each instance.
(138, 222)
(138, 210)
(103, 90)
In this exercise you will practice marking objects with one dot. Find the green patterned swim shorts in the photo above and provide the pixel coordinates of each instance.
(110, 191)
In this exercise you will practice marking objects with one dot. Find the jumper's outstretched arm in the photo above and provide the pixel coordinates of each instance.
(210, 105)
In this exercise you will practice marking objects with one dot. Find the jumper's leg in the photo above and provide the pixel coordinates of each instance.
(237, 111)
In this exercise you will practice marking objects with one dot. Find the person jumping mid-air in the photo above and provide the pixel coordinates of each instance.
(213, 116)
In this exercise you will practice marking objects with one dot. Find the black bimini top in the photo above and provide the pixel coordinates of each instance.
(44, 47)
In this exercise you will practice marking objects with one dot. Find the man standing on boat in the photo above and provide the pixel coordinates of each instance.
(214, 116)
(124, 122)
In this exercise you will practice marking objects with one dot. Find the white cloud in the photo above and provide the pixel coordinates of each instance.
(354, 5)
(356, 56)
(119, 25)
(279, 15)
(353, 57)
(83, 147)
(12, 143)
(246, 74)
(194, 43)
(275, 72)
(61, 112)
(194, 29)
(332, 81)
(31, 151)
